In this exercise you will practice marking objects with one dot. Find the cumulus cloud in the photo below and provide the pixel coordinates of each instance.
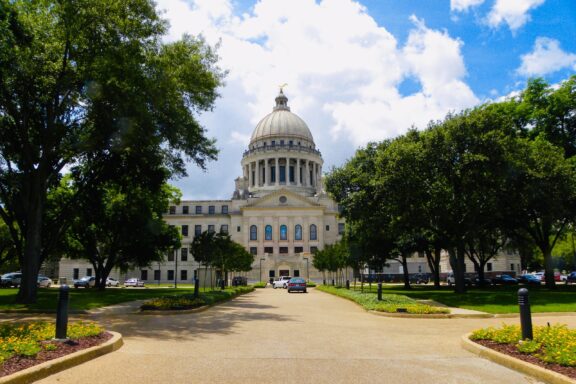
(464, 5)
(547, 57)
(512, 12)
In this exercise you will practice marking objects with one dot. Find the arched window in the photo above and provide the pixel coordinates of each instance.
(283, 232)
(313, 232)
(268, 232)
(253, 232)
(298, 232)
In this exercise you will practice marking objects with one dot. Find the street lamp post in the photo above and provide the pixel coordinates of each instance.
(175, 268)
(307, 271)
(260, 277)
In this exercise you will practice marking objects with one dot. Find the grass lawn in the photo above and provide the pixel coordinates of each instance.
(493, 299)
(82, 299)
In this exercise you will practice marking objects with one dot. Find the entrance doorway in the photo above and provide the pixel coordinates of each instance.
(284, 272)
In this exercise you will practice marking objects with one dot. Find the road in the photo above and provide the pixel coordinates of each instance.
(270, 336)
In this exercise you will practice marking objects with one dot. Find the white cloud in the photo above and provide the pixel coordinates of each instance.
(512, 12)
(464, 5)
(343, 72)
(547, 57)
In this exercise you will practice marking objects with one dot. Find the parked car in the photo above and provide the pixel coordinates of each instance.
(44, 282)
(529, 279)
(487, 282)
(296, 284)
(539, 275)
(85, 282)
(239, 281)
(133, 282)
(282, 282)
(111, 282)
(451, 280)
(504, 280)
(11, 279)
(571, 278)
(419, 278)
(558, 276)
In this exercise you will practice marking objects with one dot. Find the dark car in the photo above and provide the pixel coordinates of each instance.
(239, 281)
(486, 283)
(571, 278)
(297, 284)
(505, 280)
(529, 280)
(11, 279)
(419, 278)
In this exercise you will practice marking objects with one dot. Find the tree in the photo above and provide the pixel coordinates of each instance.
(8, 254)
(83, 76)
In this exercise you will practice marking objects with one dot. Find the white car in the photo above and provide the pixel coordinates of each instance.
(282, 282)
(44, 282)
(110, 282)
(133, 282)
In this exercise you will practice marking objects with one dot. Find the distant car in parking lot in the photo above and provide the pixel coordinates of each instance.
(133, 282)
(419, 278)
(239, 281)
(529, 279)
(282, 282)
(504, 280)
(451, 280)
(85, 282)
(11, 279)
(111, 282)
(296, 284)
(44, 282)
(571, 278)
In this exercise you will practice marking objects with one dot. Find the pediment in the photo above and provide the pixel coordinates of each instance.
(283, 198)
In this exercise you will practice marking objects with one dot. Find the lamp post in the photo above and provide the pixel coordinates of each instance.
(260, 277)
(307, 271)
(175, 268)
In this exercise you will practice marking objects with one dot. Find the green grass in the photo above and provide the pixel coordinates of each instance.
(493, 299)
(389, 303)
(188, 301)
(83, 299)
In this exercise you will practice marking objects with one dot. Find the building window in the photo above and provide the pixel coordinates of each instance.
(238, 229)
(296, 273)
(272, 174)
(184, 274)
(224, 209)
(283, 232)
(185, 209)
(313, 250)
(184, 230)
(172, 210)
(281, 142)
(283, 250)
(271, 273)
(211, 229)
(291, 143)
(171, 255)
(170, 274)
(76, 273)
(298, 232)
(282, 173)
(511, 267)
(198, 209)
(341, 228)
(197, 230)
(313, 232)
(268, 232)
(88, 271)
(253, 232)
(156, 274)
(291, 174)
(211, 209)
(327, 227)
(298, 249)
(269, 250)
(253, 250)
(273, 143)
(224, 228)
(489, 267)
(144, 274)
(184, 254)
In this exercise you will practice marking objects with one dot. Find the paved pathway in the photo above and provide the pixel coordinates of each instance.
(270, 336)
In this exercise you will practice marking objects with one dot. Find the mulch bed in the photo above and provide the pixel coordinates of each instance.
(511, 350)
(18, 363)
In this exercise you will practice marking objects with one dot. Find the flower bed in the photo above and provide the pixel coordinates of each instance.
(182, 302)
(389, 303)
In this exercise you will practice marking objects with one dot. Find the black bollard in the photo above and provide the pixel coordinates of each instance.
(324, 282)
(62, 313)
(379, 291)
(222, 284)
(196, 287)
(333, 284)
(347, 284)
(525, 316)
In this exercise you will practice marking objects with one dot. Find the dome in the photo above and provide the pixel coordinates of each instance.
(281, 123)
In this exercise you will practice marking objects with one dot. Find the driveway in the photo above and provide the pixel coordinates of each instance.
(270, 336)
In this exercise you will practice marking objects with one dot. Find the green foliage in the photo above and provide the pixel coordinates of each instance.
(260, 284)
(181, 302)
(553, 344)
(310, 284)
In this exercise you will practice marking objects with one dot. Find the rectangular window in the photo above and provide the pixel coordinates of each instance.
(211, 229)
(224, 209)
(88, 271)
(298, 249)
(172, 210)
(327, 227)
(283, 250)
(224, 228)
(185, 209)
(184, 230)
(489, 267)
(271, 273)
(156, 274)
(238, 229)
(268, 249)
(170, 274)
(273, 143)
(144, 274)
(184, 254)
(313, 249)
(282, 173)
(211, 209)
(272, 174)
(511, 267)
(198, 209)
(76, 273)
(341, 228)
(253, 250)
(197, 230)
(296, 273)
(281, 142)
(183, 274)
(291, 142)
(291, 174)
(171, 255)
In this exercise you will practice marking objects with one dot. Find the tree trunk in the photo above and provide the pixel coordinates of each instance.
(434, 264)
(460, 284)
(404, 263)
(548, 267)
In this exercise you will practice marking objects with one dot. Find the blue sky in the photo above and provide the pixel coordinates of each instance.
(360, 71)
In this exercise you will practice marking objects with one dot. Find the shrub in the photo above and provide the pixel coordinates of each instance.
(260, 284)
(181, 302)
(310, 284)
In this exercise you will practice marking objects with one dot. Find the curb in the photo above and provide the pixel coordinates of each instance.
(433, 315)
(514, 363)
(51, 367)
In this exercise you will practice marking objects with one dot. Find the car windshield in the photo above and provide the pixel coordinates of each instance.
(297, 281)
(86, 278)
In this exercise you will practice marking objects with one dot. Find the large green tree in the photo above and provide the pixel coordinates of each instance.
(83, 76)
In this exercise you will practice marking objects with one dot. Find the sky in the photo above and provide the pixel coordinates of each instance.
(362, 71)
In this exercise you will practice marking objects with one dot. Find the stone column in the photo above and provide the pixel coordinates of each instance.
(266, 173)
(257, 173)
(298, 183)
(287, 171)
(277, 182)
(250, 174)
(307, 175)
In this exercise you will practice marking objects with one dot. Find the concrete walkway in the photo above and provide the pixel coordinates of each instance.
(270, 336)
